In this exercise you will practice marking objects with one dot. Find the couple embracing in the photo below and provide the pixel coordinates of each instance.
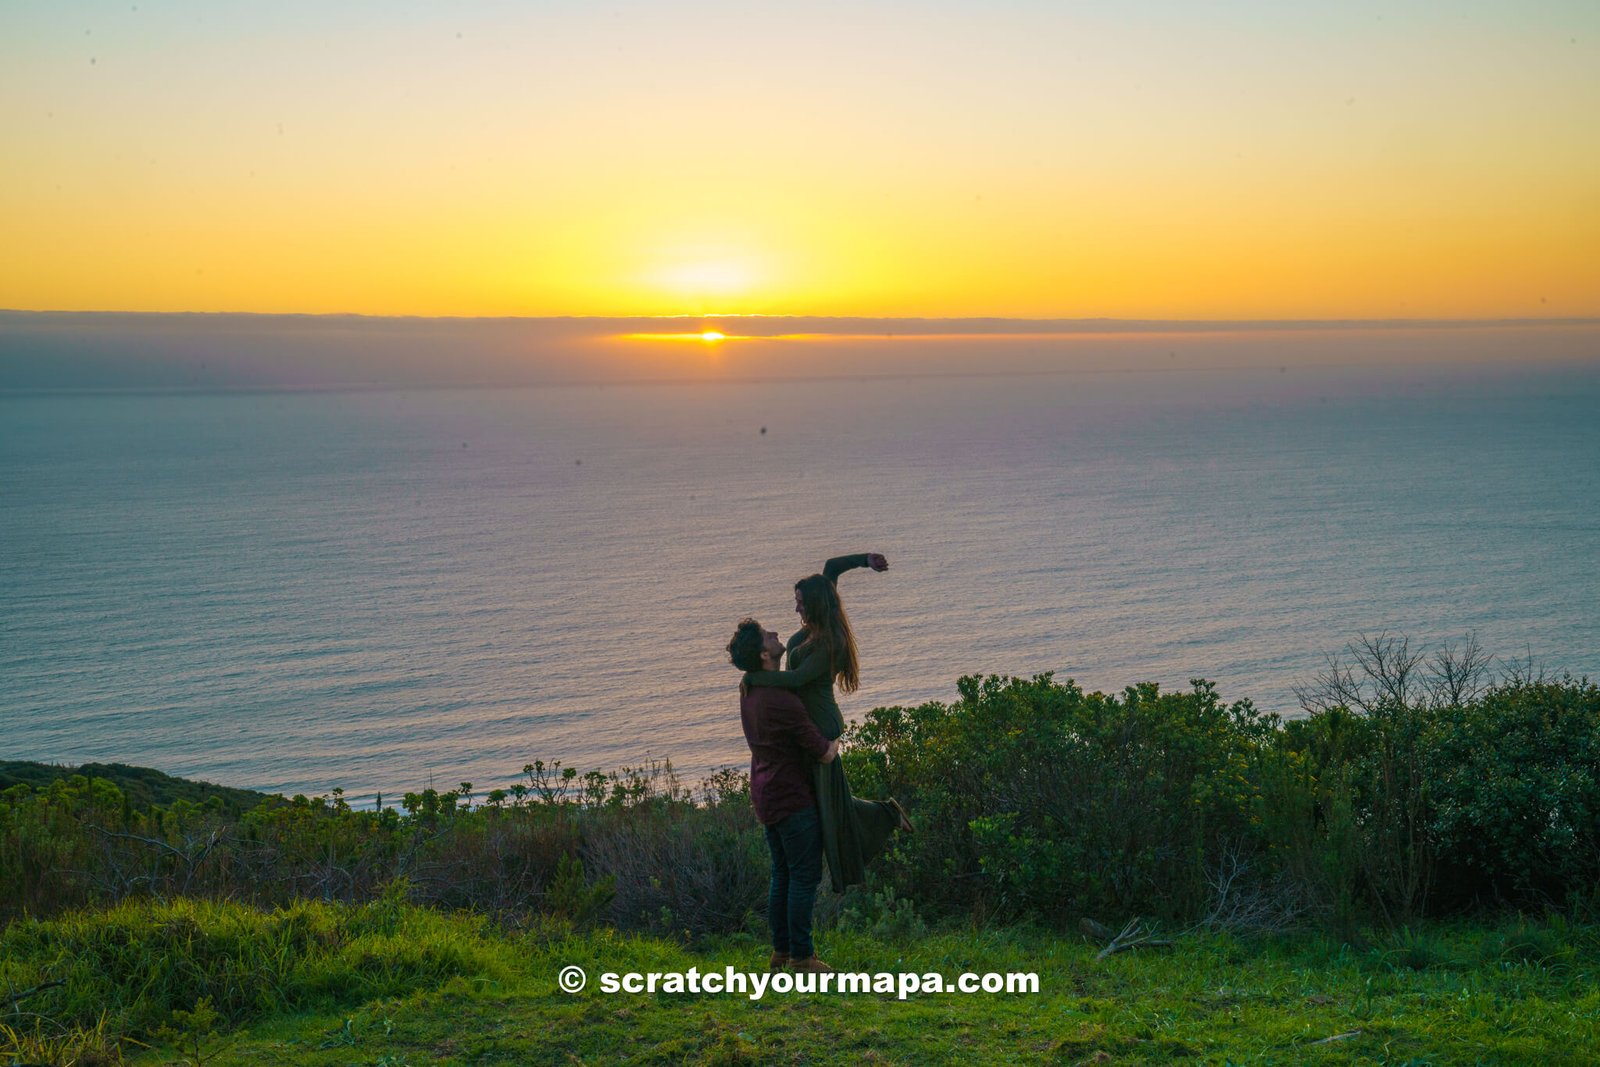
(797, 784)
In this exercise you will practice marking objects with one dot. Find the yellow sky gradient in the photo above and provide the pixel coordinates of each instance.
(934, 160)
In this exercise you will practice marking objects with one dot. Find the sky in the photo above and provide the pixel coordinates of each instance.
(1143, 160)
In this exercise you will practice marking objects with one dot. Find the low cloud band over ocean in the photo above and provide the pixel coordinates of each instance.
(92, 351)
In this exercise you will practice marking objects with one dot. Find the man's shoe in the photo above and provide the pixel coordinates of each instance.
(809, 965)
(905, 823)
(778, 962)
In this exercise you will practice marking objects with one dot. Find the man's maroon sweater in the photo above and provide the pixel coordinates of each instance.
(783, 744)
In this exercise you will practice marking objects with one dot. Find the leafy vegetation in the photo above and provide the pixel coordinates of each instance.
(1033, 800)
(1409, 795)
(1372, 866)
(140, 786)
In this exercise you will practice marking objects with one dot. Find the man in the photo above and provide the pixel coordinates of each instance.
(783, 742)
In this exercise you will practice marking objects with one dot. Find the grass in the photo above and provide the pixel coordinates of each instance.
(391, 984)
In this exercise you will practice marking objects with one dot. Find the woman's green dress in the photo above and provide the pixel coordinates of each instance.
(854, 831)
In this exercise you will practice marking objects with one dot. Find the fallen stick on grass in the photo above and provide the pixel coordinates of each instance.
(1133, 935)
(1337, 1037)
(14, 998)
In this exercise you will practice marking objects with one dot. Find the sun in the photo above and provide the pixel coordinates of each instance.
(712, 335)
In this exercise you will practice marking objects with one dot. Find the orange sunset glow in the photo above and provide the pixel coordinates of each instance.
(1045, 161)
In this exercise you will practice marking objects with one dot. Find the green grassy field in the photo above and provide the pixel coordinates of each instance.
(388, 984)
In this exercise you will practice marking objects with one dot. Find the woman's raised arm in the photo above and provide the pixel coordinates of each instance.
(839, 564)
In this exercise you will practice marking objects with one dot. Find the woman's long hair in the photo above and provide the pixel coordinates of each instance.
(827, 624)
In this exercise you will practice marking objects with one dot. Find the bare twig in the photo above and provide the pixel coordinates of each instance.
(1133, 935)
(1389, 662)
(1333, 687)
(191, 856)
(1242, 903)
(1382, 671)
(153, 842)
(1459, 673)
(14, 998)
(1525, 670)
(1336, 1037)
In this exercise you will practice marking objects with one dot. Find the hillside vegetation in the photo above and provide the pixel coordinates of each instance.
(140, 786)
(1421, 834)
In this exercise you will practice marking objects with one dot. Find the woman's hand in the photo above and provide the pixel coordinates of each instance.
(877, 562)
(833, 751)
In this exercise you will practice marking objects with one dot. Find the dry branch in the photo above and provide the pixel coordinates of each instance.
(13, 998)
(1337, 1037)
(1133, 935)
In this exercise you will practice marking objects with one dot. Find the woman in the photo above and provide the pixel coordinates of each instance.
(821, 653)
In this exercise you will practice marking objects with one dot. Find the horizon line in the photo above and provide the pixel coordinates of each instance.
(909, 320)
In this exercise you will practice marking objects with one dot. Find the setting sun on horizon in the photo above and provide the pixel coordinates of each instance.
(1041, 161)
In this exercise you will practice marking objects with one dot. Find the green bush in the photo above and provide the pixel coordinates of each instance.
(1407, 809)
(1347, 796)
(1034, 798)
(1514, 793)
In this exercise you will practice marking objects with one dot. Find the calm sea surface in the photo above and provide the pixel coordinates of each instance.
(375, 590)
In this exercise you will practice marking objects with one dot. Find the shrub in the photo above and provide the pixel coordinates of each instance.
(1514, 792)
(1033, 797)
(1349, 797)
(1426, 807)
(680, 868)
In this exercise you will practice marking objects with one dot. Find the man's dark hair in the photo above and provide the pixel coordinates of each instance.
(745, 648)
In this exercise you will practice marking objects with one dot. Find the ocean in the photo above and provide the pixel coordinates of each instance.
(380, 590)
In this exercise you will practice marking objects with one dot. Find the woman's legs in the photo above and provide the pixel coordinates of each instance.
(854, 831)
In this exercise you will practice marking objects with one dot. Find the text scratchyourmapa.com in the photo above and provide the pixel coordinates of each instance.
(757, 984)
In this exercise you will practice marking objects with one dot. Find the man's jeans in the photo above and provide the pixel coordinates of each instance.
(796, 846)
